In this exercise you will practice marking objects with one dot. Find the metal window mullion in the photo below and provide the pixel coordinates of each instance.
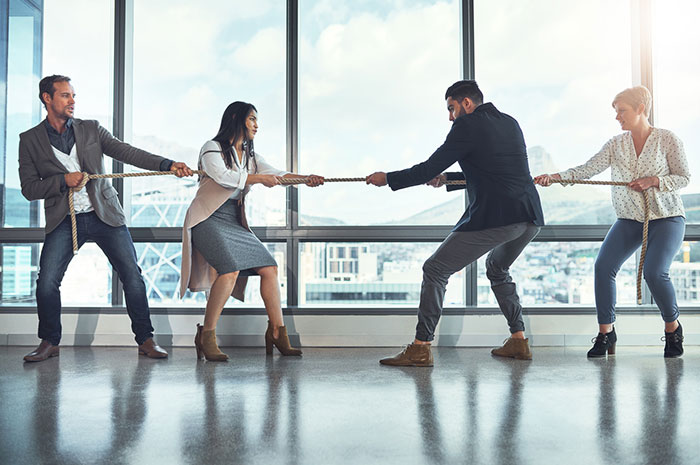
(292, 78)
(467, 29)
(468, 72)
(641, 25)
(122, 8)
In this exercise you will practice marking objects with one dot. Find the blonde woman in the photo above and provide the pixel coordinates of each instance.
(649, 159)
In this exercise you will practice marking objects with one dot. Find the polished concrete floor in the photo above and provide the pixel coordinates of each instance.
(339, 406)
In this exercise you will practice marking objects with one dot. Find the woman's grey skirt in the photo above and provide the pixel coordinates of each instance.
(226, 245)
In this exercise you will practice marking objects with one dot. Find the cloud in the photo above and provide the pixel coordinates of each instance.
(265, 52)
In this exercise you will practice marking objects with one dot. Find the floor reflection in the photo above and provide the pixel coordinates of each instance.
(45, 411)
(108, 406)
(660, 414)
(428, 418)
(607, 410)
(239, 422)
(129, 410)
(507, 440)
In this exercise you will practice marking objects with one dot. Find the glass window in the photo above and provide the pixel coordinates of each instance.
(372, 80)
(685, 274)
(87, 282)
(161, 262)
(555, 67)
(30, 58)
(373, 274)
(190, 61)
(676, 105)
(23, 109)
(559, 273)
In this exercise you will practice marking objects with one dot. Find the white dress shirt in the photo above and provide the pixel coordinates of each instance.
(662, 156)
(81, 200)
(211, 162)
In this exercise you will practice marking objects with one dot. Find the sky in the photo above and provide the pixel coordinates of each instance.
(372, 77)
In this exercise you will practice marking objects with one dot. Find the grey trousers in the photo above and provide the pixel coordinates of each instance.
(460, 249)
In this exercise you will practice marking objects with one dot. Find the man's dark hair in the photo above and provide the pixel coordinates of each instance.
(466, 88)
(46, 85)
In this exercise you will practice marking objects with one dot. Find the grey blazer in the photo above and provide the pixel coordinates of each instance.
(41, 173)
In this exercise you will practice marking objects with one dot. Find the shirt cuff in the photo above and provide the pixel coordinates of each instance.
(566, 176)
(165, 165)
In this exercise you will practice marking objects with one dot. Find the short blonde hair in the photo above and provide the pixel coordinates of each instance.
(635, 96)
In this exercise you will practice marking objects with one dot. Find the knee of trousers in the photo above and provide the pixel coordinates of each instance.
(434, 273)
(495, 273)
(133, 281)
(47, 285)
(656, 277)
(602, 269)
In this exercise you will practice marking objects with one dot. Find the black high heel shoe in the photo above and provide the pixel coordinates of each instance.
(674, 342)
(603, 343)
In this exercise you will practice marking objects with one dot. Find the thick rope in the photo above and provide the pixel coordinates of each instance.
(87, 177)
(302, 180)
(645, 228)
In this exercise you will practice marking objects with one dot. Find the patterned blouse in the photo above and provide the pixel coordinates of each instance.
(662, 156)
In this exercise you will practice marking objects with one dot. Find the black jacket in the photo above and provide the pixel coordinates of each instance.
(490, 149)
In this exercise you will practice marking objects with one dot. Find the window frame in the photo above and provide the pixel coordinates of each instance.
(292, 234)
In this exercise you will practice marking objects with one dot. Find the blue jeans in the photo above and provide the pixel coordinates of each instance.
(623, 239)
(57, 253)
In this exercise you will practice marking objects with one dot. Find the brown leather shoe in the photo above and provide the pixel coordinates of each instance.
(514, 348)
(151, 349)
(41, 353)
(413, 355)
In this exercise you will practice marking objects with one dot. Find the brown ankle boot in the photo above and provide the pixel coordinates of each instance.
(282, 342)
(205, 343)
(514, 348)
(414, 355)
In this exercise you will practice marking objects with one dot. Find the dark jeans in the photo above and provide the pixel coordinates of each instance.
(505, 244)
(57, 253)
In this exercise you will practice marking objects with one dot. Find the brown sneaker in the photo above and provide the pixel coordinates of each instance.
(413, 355)
(514, 348)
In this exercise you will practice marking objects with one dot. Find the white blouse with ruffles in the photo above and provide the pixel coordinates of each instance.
(662, 156)
(211, 162)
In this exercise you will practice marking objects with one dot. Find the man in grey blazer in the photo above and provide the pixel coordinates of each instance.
(52, 157)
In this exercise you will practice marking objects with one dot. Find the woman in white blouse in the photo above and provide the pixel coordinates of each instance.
(648, 159)
(219, 250)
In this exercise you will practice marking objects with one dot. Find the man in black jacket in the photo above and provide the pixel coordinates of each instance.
(503, 216)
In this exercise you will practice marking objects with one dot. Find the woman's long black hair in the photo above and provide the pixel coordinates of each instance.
(233, 127)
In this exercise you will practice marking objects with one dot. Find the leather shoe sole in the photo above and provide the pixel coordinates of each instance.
(153, 354)
(405, 364)
(37, 358)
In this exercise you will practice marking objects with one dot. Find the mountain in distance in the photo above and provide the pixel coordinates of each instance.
(562, 205)
(540, 161)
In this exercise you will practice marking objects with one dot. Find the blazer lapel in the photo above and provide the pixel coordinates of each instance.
(46, 147)
(79, 143)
